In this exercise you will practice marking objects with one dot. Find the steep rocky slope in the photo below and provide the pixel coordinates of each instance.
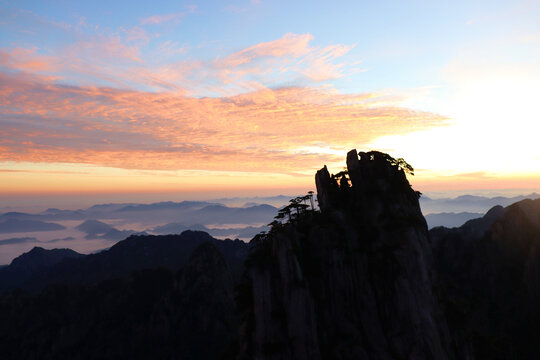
(489, 281)
(350, 282)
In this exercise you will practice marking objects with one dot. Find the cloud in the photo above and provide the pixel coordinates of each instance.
(290, 44)
(269, 130)
(137, 34)
(28, 60)
(285, 58)
(169, 48)
(21, 240)
(473, 175)
(69, 238)
(99, 49)
(118, 60)
(105, 104)
(159, 19)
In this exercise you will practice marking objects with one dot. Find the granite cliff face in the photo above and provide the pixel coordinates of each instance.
(352, 281)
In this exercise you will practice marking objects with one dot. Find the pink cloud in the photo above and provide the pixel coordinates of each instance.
(264, 130)
(290, 56)
(100, 49)
(289, 45)
(320, 63)
(158, 19)
(28, 60)
(137, 34)
(119, 61)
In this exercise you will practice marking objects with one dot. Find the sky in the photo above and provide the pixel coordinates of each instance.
(165, 100)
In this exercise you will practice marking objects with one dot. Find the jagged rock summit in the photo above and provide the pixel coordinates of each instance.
(351, 281)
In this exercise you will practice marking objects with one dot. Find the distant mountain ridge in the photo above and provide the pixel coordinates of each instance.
(15, 225)
(450, 219)
(106, 223)
(469, 203)
(172, 210)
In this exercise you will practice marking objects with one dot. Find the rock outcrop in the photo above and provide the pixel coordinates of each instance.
(350, 282)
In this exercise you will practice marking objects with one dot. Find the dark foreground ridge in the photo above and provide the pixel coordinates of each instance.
(361, 278)
(152, 314)
(39, 267)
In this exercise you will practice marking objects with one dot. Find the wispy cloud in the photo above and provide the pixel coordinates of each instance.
(20, 240)
(289, 45)
(158, 19)
(103, 49)
(136, 34)
(290, 57)
(171, 17)
(117, 59)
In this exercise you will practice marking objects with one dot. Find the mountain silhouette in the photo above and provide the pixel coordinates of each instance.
(488, 274)
(13, 225)
(152, 314)
(31, 265)
(450, 219)
(361, 277)
(349, 282)
(137, 252)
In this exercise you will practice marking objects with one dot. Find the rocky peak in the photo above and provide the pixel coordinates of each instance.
(374, 188)
(352, 281)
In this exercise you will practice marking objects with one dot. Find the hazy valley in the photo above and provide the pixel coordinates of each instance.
(101, 226)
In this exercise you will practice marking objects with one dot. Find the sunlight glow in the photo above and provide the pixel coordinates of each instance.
(494, 129)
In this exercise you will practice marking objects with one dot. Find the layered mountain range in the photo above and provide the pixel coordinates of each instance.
(359, 278)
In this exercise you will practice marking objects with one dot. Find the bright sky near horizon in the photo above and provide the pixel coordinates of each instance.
(251, 97)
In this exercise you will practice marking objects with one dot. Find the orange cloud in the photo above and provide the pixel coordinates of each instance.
(283, 130)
